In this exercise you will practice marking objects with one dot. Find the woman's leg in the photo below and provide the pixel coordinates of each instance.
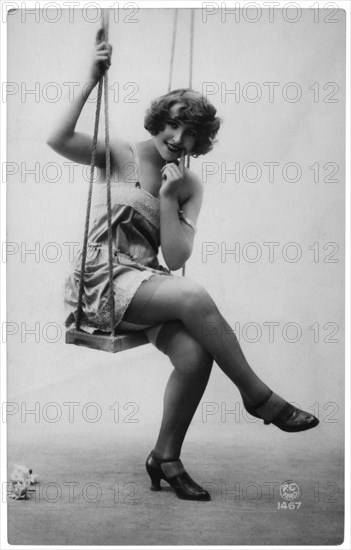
(179, 298)
(185, 387)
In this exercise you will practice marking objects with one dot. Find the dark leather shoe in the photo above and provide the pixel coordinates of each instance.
(185, 487)
(288, 419)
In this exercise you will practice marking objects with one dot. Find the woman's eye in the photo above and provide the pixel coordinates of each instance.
(192, 133)
(172, 124)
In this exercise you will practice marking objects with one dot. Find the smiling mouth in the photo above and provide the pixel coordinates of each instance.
(173, 148)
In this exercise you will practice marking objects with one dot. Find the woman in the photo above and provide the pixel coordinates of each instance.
(156, 202)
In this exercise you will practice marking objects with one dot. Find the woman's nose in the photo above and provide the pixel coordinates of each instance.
(178, 136)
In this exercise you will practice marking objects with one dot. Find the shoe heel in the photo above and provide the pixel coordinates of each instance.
(155, 477)
(155, 481)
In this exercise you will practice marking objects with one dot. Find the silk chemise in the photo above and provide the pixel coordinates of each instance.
(135, 243)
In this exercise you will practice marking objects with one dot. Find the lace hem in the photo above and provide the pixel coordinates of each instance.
(101, 319)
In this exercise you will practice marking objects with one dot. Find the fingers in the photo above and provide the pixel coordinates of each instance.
(171, 171)
(102, 56)
(182, 163)
(104, 45)
(99, 35)
(172, 168)
(178, 169)
(167, 173)
(170, 165)
(103, 52)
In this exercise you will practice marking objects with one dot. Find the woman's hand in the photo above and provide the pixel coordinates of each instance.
(172, 176)
(101, 58)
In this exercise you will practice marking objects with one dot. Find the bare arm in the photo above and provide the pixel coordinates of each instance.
(64, 139)
(177, 237)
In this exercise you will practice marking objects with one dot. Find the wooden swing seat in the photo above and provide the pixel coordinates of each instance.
(120, 341)
(105, 342)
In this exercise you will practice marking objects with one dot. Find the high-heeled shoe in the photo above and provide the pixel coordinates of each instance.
(184, 486)
(288, 418)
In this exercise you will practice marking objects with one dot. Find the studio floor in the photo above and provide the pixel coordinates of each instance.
(88, 436)
(97, 493)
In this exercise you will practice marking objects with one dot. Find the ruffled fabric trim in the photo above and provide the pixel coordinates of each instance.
(101, 318)
(123, 193)
(122, 301)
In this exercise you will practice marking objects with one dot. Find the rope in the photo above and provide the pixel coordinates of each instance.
(103, 81)
(192, 18)
(175, 22)
(109, 209)
(105, 13)
(87, 216)
(191, 57)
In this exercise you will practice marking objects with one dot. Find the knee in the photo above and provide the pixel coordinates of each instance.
(195, 298)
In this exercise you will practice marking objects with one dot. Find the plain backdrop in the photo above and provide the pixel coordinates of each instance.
(46, 208)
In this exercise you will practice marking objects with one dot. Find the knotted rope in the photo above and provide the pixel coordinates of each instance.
(102, 82)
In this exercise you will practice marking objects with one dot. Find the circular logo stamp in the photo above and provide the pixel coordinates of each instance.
(289, 490)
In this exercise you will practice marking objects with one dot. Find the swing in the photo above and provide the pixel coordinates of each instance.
(116, 341)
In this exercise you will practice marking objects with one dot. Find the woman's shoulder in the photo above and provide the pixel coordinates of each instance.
(121, 156)
(120, 149)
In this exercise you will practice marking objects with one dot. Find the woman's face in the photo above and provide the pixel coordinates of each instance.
(176, 137)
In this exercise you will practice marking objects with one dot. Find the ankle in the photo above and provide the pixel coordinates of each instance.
(170, 466)
(272, 406)
(256, 403)
(163, 457)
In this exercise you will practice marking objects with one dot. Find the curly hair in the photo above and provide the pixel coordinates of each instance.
(194, 108)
